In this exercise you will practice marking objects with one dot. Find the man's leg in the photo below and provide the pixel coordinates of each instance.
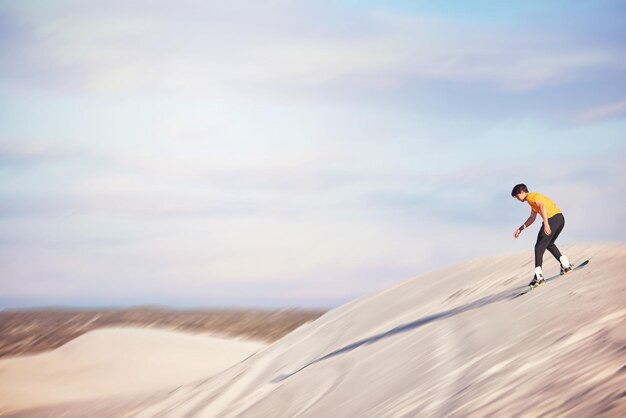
(557, 222)
(543, 241)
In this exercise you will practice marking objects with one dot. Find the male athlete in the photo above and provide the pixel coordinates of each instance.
(553, 223)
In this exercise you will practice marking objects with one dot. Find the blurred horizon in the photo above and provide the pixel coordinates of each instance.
(295, 154)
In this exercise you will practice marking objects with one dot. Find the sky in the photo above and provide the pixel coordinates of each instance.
(296, 153)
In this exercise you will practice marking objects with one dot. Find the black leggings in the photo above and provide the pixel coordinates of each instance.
(557, 222)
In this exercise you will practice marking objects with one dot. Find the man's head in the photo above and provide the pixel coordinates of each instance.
(520, 192)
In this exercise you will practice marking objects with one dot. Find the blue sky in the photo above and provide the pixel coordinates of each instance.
(280, 153)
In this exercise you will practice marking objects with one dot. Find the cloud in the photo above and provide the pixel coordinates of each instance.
(32, 152)
(613, 110)
(25, 153)
(249, 49)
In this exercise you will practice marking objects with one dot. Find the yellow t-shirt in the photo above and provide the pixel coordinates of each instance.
(534, 198)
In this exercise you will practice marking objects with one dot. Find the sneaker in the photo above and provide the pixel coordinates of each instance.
(565, 262)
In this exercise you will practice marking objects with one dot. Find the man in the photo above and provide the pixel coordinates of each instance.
(553, 223)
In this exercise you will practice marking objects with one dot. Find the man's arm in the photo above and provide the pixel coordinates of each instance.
(529, 222)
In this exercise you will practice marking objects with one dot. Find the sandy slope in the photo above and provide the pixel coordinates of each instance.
(452, 343)
(115, 362)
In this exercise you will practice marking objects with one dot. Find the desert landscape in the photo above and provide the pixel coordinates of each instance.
(456, 342)
(312, 209)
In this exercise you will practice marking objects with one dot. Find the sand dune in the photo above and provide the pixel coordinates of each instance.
(456, 342)
(115, 362)
(451, 343)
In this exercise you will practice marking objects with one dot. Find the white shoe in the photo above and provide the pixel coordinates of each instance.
(538, 279)
(566, 267)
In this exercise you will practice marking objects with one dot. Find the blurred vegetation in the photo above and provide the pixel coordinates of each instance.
(34, 331)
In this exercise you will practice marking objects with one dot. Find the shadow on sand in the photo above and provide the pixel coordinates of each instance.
(487, 300)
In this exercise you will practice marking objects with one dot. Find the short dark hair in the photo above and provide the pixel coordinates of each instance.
(518, 189)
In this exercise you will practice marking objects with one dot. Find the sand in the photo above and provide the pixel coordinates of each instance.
(115, 362)
(453, 343)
